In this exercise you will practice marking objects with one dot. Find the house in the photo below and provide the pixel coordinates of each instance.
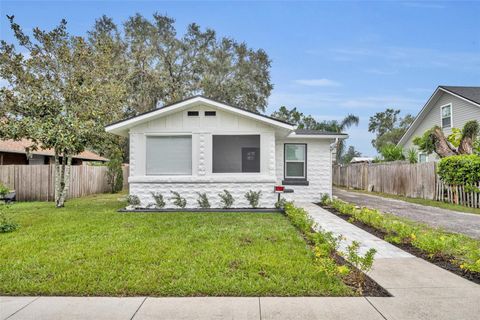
(361, 160)
(448, 107)
(15, 152)
(201, 145)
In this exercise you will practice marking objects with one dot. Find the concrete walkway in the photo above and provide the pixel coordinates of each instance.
(454, 221)
(420, 291)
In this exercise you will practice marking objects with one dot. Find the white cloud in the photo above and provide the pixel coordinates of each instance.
(318, 82)
(3, 83)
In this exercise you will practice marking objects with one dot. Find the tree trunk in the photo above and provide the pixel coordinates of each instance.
(466, 146)
(442, 146)
(62, 179)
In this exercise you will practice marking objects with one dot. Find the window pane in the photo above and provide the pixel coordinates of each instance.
(169, 155)
(295, 169)
(295, 152)
(236, 153)
(422, 158)
(446, 111)
(446, 122)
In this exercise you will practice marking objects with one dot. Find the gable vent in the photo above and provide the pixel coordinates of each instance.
(210, 113)
(192, 113)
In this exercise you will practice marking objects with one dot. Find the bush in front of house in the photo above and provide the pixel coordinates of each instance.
(159, 201)
(203, 200)
(226, 199)
(253, 198)
(3, 190)
(280, 204)
(460, 170)
(133, 201)
(178, 200)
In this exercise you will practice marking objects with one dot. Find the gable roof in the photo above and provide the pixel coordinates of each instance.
(21, 145)
(469, 94)
(121, 126)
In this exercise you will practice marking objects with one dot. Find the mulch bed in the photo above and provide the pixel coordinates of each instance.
(442, 262)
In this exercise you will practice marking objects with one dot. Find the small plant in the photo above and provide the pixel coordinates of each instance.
(226, 199)
(6, 225)
(133, 201)
(203, 200)
(3, 190)
(280, 204)
(412, 155)
(363, 263)
(325, 198)
(178, 200)
(159, 201)
(253, 198)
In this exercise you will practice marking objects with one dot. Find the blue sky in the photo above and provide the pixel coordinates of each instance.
(328, 58)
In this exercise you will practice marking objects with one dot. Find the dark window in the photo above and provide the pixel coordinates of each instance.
(210, 113)
(193, 113)
(236, 153)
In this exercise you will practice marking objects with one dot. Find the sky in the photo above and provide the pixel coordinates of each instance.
(329, 59)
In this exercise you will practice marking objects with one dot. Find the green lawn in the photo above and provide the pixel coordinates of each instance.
(87, 248)
(431, 203)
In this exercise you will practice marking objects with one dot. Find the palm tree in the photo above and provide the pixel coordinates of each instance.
(338, 127)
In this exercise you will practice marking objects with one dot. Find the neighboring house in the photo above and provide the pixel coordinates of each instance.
(361, 160)
(449, 107)
(15, 152)
(201, 145)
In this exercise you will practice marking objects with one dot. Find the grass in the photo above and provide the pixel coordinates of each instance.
(431, 203)
(87, 248)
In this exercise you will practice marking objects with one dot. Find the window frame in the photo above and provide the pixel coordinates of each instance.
(442, 117)
(422, 154)
(166, 135)
(295, 180)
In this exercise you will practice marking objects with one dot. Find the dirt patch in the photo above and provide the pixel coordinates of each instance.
(441, 261)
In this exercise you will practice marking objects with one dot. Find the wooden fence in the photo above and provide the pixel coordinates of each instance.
(37, 182)
(404, 179)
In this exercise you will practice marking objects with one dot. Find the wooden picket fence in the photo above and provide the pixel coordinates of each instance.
(399, 178)
(37, 182)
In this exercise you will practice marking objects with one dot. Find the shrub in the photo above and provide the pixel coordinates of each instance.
(391, 152)
(178, 200)
(159, 201)
(6, 225)
(280, 204)
(363, 263)
(253, 198)
(115, 172)
(412, 155)
(3, 190)
(133, 200)
(226, 199)
(324, 198)
(460, 170)
(203, 200)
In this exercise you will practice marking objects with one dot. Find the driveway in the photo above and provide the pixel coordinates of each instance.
(459, 222)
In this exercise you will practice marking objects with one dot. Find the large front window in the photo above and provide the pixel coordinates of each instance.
(295, 159)
(236, 153)
(169, 155)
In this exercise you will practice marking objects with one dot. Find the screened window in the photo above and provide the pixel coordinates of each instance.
(169, 155)
(422, 157)
(295, 159)
(236, 153)
(447, 116)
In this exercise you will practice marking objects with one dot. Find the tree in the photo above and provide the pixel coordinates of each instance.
(350, 154)
(164, 67)
(392, 152)
(434, 140)
(59, 95)
(308, 122)
(388, 127)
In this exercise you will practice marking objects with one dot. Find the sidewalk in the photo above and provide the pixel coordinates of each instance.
(420, 291)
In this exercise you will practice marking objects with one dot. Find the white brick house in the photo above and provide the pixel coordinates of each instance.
(201, 145)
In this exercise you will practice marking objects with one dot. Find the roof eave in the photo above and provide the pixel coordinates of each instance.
(317, 136)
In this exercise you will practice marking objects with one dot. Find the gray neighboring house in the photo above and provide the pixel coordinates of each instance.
(448, 107)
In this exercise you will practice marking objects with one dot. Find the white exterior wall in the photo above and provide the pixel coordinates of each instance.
(319, 170)
(202, 180)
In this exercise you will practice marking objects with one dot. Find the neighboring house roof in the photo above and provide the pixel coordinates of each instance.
(119, 127)
(20, 146)
(361, 159)
(469, 94)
